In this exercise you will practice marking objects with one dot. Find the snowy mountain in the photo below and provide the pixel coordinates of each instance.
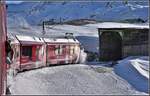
(36, 12)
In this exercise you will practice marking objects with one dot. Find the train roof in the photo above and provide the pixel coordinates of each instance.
(12, 38)
(23, 38)
(60, 40)
(115, 25)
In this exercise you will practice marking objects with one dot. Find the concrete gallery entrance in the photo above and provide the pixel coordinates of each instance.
(110, 45)
(118, 43)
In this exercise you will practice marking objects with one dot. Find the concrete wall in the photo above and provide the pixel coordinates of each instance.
(134, 42)
(135, 50)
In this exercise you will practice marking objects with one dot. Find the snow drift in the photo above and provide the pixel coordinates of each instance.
(134, 70)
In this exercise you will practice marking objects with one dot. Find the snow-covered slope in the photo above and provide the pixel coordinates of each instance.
(132, 69)
(72, 79)
(36, 12)
(142, 66)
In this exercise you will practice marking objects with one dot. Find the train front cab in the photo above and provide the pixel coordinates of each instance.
(62, 51)
(32, 52)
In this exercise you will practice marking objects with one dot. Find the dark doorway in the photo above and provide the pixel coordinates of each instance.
(110, 46)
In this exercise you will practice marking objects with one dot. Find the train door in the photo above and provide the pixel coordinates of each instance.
(67, 53)
(61, 53)
(71, 53)
(2, 49)
(51, 56)
(77, 53)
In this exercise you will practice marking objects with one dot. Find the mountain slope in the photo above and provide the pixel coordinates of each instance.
(36, 12)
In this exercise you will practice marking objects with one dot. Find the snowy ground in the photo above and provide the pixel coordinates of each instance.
(130, 76)
(134, 70)
(77, 79)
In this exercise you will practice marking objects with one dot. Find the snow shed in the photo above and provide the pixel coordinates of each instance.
(32, 52)
(119, 40)
(62, 50)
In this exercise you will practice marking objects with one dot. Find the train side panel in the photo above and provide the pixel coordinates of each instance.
(32, 56)
(62, 51)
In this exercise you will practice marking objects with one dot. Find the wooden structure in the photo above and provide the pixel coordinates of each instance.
(119, 40)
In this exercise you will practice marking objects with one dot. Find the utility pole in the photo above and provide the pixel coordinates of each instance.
(43, 27)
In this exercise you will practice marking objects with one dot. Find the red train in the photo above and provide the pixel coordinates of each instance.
(18, 53)
(35, 52)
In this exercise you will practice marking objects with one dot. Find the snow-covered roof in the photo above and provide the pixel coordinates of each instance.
(55, 40)
(73, 41)
(119, 25)
(60, 40)
(29, 38)
(12, 38)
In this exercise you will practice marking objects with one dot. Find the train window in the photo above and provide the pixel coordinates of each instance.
(27, 51)
(72, 51)
(77, 49)
(59, 50)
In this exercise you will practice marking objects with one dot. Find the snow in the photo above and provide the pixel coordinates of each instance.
(17, 21)
(82, 56)
(12, 38)
(55, 30)
(130, 70)
(130, 76)
(60, 40)
(27, 31)
(142, 66)
(73, 41)
(51, 40)
(119, 25)
(76, 79)
(29, 38)
(36, 12)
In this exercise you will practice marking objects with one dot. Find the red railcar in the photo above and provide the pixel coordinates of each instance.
(62, 50)
(2, 49)
(32, 52)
